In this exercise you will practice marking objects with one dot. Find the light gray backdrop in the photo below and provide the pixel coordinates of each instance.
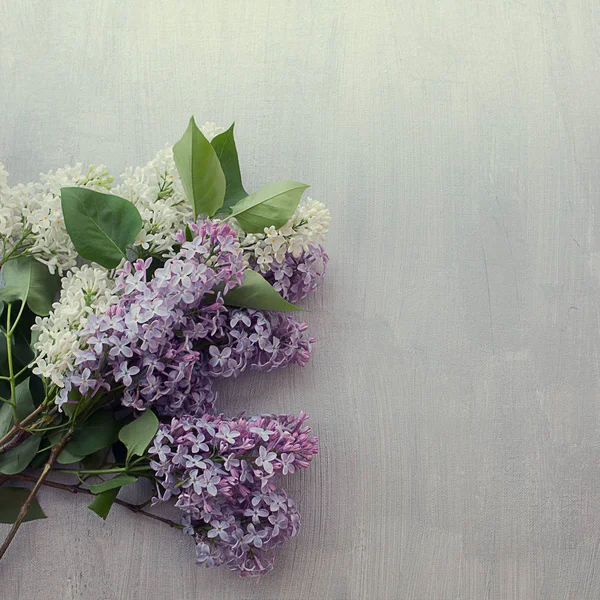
(455, 382)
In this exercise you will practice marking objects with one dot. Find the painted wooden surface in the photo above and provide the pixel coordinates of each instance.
(455, 382)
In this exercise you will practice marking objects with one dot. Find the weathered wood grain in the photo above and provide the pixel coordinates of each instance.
(455, 382)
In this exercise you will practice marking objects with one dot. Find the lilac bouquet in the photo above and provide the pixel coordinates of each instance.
(122, 307)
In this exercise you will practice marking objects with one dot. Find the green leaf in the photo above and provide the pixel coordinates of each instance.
(101, 226)
(18, 459)
(24, 399)
(138, 434)
(6, 418)
(272, 205)
(200, 171)
(103, 502)
(25, 406)
(22, 352)
(28, 280)
(115, 482)
(224, 145)
(66, 457)
(99, 431)
(256, 292)
(11, 501)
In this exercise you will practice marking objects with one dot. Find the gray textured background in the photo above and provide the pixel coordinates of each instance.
(455, 383)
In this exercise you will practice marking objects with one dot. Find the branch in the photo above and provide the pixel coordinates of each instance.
(19, 434)
(23, 512)
(77, 489)
(19, 437)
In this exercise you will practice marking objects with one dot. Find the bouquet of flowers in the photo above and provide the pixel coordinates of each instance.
(123, 305)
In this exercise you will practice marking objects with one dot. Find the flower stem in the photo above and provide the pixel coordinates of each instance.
(77, 489)
(20, 436)
(17, 246)
(38, 484)
(11, 373)
(19, 315)
(20, 432)
(103, 471)
(24, 422)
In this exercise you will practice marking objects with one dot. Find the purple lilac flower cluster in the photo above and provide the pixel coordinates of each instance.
(223, 473)
(260, 340)
(297, 277)
(171, 336)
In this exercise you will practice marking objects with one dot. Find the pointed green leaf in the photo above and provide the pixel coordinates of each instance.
(138, 434)
(224, 145)
(256, 292)
(101, 226)
(99, 431)
(115, 482)
(28, 280)
(11, 501)
(103, 502)
(18, 459)
(200, 171)
(272, 205)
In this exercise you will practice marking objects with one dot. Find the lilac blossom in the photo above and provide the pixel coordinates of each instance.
(263, 341)
(171, 336)
(228, 494)
(297, 277)
(287, 461)
(265, 459)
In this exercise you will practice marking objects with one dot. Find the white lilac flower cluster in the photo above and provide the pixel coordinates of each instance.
(157, 193)
(34, 210)
(306, 229)
(31, 215)
(86, 291)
